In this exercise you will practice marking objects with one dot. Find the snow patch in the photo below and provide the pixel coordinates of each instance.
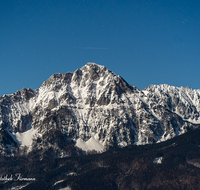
(58, 182)
(66, 188)
(158, 160)
(196, 164)
(19, 187)
(71, 174)
(91, 144)
(25, 138)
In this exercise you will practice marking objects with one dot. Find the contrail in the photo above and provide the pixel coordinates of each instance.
(91, 48)
(94, 48)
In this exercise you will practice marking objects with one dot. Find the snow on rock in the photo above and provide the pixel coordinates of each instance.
(158, 160)
(66, 188)
(19, 187)
(71, 174)
(89, 145)
(57, 182)
(25, 138)
(96, 104)
(196, 164)
(185, 102)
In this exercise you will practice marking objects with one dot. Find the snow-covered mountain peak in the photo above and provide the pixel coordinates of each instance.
(94, 65)
(90, 85)
(95, 106)
(183, 101)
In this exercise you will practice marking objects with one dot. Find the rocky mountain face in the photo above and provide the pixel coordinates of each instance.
(93, 109)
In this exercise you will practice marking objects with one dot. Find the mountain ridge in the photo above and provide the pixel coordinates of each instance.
(94, 105)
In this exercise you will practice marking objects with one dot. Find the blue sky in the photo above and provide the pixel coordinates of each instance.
(145, 42)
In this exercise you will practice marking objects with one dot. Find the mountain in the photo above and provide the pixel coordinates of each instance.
(93, 110)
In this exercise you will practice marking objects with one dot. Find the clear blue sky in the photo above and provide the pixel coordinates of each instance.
(146, 42)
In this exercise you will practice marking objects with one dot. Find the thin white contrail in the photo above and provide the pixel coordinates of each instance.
(91, 48)
(95, 48)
